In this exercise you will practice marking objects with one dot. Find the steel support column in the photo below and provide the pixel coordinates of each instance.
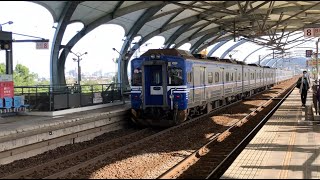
(88, 28)
(125, 55)
(9, 61)
(55, 75)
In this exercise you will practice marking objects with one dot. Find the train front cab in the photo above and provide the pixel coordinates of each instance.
(163, 98)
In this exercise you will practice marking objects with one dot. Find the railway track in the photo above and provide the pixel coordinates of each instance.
(75, 161)
(207, 162)
(66, 166)
(50, 167)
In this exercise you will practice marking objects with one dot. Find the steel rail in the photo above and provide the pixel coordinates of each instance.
(134, 144)
(51, 163)
(215, 173)
(178, 168)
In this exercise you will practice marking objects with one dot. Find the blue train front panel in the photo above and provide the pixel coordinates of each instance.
(153, 86)
(158, 86)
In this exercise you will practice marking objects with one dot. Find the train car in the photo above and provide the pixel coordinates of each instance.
(268, 76)
(170, 85)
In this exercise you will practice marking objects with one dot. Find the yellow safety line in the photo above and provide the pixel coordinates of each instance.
(285, 165)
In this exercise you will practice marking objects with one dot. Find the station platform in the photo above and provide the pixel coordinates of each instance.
(286, 147)
(26, 135)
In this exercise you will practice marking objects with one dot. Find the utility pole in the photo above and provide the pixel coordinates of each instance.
(9, 22)
(78, 61)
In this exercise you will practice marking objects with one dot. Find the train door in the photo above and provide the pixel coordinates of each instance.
(202, 83)
(261, 77)
(196, 84)
(235, 79)
(255, 78)
(248, 79)
(222, 81)
(154, 83)
(238, 80)
(191, 86)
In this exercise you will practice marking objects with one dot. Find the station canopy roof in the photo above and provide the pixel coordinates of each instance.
(201, 23)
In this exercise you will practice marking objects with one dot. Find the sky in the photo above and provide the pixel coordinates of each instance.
(34, 20)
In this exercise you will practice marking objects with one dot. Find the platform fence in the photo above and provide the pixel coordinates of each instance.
(59, 97)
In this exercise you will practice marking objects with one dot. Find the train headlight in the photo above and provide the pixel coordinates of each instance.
(177, 96)
(152, 56)
(158, 56)
(136, 97)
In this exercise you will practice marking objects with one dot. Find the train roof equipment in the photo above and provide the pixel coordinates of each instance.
(187, 55)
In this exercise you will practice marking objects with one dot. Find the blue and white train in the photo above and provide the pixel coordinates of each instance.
(170, 85)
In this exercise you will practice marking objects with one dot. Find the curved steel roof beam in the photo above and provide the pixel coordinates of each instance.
(130, 35)
(116, 13)
(304, 8)
(200, 41)
(137, 26)
(244, 60)
(216, 47)
(179, 10)
(198, 34)
(275, 64)
(176, 11)
(268, 60)
(53, 13)
(116, 8)
(176, 34)
(67, 12)
(213, 8)
(211, 42)
(191, 19)
(189, 38)
(202, 46)
(233, 47)
(279, 10)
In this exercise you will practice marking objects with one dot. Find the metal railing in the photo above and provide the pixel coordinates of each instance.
(51, 98)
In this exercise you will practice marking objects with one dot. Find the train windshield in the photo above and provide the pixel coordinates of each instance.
(175, 76)
(137, 77)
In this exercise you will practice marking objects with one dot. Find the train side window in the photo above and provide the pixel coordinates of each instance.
(239, 78)
(156, 79)
(202, 75)
(189, 77)
(216, 77)
(210, 77)
(175, 76)
(137, 77)
(227, 77)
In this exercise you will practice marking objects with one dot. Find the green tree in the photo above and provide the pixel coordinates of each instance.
(23, 77)
(2, 68)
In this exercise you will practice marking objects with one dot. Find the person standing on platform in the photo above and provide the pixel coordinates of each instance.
(303, 84)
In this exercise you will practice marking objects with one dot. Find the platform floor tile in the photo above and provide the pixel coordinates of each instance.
(287, 147)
